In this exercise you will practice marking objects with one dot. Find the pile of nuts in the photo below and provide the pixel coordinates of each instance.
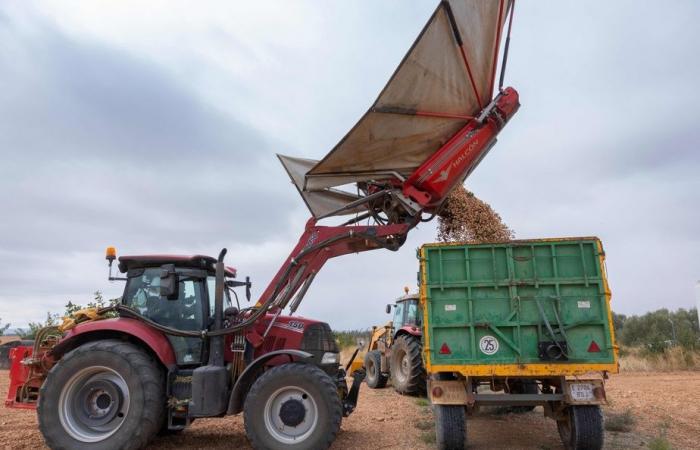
(465, 218)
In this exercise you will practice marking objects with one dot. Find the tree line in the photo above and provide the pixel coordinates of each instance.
(658, 330)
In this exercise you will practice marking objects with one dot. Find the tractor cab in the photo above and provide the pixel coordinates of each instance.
(407, 313)
(176, 292)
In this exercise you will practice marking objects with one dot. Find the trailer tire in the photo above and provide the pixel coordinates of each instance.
(293, 406)
(406, 365)
(450, 427)
(373, 366)
(582, 429)
(106, 394)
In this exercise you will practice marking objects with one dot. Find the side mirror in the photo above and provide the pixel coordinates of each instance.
(388, 309)
(169, 282)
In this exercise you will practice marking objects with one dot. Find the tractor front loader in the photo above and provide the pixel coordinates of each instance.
(395, 350)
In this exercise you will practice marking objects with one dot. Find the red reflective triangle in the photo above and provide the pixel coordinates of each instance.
(593, 348)
(445, 350)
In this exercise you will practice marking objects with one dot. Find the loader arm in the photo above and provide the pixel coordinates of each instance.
(317, 245)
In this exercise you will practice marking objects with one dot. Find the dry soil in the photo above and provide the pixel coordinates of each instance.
(663, 404)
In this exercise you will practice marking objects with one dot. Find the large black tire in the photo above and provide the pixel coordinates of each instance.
(582, 429)
(293, 406)
(106, 394)
(373, 366)
(406, 365)
(450, 427)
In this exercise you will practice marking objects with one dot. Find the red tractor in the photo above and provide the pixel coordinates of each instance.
(181, 350)
(395, 350)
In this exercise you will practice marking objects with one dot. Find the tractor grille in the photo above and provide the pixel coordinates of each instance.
(319, 337)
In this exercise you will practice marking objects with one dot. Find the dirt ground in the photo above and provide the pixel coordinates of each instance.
(663, 404)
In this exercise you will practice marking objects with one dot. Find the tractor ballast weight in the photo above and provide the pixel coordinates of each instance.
(197, 354)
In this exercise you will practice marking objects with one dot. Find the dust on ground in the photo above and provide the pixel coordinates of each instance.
(663, 404)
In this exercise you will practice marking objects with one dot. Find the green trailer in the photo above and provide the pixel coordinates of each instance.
(521, 323)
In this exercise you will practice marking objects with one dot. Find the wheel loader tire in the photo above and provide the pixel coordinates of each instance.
(406, 365)
(106, 394)
(293, 406)
(582, 429)
(373, 366)
(450, 427)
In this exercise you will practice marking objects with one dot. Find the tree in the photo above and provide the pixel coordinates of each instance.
(98, 302)
(34, 327)
(3, 328)
(618, 322)
(657, 330)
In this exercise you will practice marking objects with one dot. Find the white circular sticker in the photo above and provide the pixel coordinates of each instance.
(488, 345)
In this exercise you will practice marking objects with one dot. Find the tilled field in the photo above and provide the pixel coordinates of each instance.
(664, 405)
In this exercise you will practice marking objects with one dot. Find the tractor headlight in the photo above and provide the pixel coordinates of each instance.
(330, 358)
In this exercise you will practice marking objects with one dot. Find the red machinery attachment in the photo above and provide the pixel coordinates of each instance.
(23, 390)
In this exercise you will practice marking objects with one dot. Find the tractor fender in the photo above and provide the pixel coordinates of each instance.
(409, 329)
(121, 328)
(248, 377)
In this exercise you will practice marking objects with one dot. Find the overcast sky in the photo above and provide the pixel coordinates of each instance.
(152, 126)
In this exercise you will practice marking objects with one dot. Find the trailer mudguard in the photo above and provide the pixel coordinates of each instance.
(152, 339)
(248, 377)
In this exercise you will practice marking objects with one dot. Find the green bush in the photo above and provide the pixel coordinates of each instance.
(623, 421)
(654, 331)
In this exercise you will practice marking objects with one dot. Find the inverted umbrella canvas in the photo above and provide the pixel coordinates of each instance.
(444, 81)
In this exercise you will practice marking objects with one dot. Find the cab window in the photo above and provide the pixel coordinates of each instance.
(142, 293)
(412, 314)
(211, 287)
(398, 315)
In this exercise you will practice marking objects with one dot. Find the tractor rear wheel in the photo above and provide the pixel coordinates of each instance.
(106, 394)
(450, 427)
(582, 428)
(373, 365)
(293, 406)
(406, 365)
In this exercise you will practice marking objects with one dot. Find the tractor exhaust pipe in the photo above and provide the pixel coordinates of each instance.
(210, 383)
(216, 343)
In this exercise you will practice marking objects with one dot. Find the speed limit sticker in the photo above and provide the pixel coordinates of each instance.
(488, 345)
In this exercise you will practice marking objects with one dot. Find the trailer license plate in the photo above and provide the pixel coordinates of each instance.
(582, 392)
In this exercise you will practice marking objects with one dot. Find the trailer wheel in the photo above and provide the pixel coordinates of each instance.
(373, 365)
(582, 429)
(406, 365)
(105, 394)
(293, 406)
(450, 427)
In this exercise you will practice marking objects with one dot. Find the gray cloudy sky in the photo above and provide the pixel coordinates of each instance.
(152, 126)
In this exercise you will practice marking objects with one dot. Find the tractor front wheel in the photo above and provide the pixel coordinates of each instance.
(106, 394)
(406, 365)
(293, 406)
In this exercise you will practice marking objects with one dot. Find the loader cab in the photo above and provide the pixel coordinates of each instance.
(177, 292)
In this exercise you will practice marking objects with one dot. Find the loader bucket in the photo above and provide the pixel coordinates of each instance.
(446, 80)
